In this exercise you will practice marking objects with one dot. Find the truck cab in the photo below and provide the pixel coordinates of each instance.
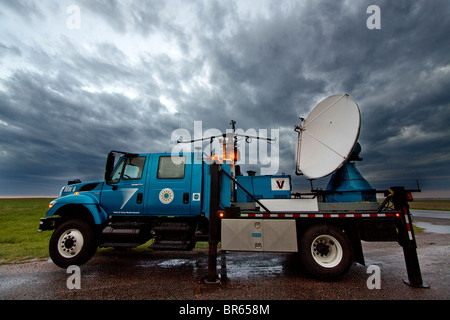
(143, 196)
(145, 185)
(152, 185)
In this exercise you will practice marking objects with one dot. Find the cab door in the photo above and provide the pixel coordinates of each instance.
(169, 190)
(124, 194)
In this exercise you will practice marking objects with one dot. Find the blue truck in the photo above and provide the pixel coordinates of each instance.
(178, 199)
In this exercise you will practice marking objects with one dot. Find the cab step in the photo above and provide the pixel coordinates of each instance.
(124, 235)
(173, 236)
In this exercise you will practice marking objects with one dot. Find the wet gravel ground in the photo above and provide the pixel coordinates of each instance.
(131, 275)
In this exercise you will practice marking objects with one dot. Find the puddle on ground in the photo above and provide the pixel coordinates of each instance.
(244, 267)
(230, 266)
(175, 263)
(433, 228)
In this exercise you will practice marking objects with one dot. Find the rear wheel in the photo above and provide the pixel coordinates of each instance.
(325, 251)
(72, 243)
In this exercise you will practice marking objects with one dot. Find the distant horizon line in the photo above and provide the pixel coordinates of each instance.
(416, 196)
(28, 197)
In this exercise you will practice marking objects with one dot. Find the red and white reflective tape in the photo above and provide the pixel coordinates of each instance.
(408, 224)
(317, 215)
(334, 215)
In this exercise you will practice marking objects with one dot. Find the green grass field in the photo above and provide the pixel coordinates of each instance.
(19, 222)
(19, 239)
(431, 204)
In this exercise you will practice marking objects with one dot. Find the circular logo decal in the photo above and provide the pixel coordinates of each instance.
(166, 196)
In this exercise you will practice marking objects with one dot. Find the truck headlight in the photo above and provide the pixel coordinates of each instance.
(51, 204)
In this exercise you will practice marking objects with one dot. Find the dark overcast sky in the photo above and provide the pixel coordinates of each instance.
(137, 70)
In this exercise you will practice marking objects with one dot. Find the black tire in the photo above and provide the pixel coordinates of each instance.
(325, 251)
(72, 243)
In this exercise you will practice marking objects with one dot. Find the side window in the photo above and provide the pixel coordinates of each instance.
(171, 167)
(134, 167)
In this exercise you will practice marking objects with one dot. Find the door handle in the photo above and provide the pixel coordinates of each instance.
(139, 198)
(186, 198)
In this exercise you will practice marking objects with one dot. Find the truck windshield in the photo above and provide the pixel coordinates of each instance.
(118, 170)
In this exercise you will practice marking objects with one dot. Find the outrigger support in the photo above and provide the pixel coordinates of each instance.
(406, 237)
(214, 226)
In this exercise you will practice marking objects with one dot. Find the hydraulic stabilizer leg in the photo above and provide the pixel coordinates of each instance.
(407, 239)
(214, 224)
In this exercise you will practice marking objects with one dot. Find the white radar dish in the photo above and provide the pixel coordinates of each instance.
(327, 136)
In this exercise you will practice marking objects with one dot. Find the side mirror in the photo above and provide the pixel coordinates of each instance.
(109, 167)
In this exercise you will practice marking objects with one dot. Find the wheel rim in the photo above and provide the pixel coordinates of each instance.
(326, 251)
(70, 243)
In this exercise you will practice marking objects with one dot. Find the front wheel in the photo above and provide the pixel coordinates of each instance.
(325, 251)
(72, 243)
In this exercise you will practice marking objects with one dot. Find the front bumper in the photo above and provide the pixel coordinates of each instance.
(48, 223)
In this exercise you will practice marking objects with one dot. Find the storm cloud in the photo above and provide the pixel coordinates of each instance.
(134, 71)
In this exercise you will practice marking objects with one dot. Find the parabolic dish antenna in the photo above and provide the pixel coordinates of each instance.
(328, 135)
